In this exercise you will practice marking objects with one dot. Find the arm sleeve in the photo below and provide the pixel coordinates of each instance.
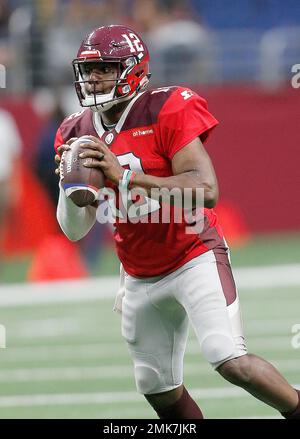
(74, 221)
(184, 117)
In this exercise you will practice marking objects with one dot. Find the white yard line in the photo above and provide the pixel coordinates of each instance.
(106, 397)
(41, 352)
(59, 292)
(111, 397)
(64, 352)
(97, 351)
(76, 327)
(105, 287)
(47, 327)
(120, 372)
(123, 372)
(286, 275)
(66, 373)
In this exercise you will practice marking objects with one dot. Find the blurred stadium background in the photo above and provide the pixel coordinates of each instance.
(64, 356)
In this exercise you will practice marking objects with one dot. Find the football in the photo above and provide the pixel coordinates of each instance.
(80, 184)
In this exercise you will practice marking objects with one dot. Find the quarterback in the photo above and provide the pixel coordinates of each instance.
(153, 139)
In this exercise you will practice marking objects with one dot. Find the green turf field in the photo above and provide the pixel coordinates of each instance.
(261, 250)
(67, 360)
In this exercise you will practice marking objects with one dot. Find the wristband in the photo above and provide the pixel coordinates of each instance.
(125, 179)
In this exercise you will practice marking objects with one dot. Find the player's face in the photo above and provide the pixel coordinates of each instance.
(104, 75)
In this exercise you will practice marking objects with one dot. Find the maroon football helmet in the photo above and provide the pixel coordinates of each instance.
(115, 44)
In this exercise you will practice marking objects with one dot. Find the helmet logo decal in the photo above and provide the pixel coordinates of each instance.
(122, 44)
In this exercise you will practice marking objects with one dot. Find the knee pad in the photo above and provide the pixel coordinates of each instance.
(217, 348)
(147, 379)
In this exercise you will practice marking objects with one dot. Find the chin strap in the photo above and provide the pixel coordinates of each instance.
(100, 108)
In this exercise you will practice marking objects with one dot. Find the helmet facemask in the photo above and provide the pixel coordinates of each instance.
(131, 77)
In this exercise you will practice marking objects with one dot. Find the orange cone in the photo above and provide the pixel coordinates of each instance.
(56, 258)
(233, 223)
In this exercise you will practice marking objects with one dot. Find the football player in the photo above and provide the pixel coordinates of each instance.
(153, 138)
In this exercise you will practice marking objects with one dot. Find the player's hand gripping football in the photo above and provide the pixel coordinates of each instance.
(103, 158)
(61, 149)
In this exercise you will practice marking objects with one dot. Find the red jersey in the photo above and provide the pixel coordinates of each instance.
(155, 125)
